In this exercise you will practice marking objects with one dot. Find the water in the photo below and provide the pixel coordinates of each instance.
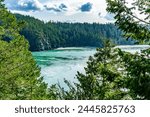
(133, 48)
(65, 62)
(62, 63)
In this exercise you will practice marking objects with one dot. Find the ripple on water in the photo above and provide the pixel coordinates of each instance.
(64, 63)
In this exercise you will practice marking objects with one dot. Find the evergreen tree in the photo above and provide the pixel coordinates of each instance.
(46, 36)
(19, 74)
(136, 26)
(102, 78)
(112, 73)
(133, 20)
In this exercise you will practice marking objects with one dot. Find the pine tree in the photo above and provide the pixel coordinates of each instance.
(19, 74)
(102, 78)
(135, 26)
(133, 20)
(112, 73)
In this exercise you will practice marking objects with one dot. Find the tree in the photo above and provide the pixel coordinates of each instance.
(46, 36)
(19, 74)
(112, 73)
(133, 20)
(102, 78)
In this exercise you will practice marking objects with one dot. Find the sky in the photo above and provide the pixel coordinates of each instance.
(62, 10)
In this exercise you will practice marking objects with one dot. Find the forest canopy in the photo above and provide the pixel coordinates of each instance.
(46, 36)
(110, 74)
(19, 74)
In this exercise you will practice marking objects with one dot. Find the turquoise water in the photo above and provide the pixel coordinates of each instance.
(65, 62)
(62, 63)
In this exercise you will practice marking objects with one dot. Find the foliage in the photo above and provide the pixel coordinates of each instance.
(112, 73)
(19, 74)
(44, 36)
(102, 79)
(133, 19)
(137, 67)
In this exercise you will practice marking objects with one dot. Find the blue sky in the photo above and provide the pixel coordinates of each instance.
(62, 10)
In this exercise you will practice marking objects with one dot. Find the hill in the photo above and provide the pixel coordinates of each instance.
(50, 35)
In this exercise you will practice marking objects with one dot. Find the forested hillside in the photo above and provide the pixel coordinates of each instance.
(111, 74)
(44, 36)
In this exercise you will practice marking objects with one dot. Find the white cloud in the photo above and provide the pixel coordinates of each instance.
(24, 5)
(51, 10)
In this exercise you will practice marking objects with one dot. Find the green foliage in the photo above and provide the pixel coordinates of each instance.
(137, 67)
(45, 36)
(19, 74)
(137, 27)
(134, 26)
(102, 79)
(112, 73)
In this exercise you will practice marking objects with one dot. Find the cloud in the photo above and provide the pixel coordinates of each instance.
(62, 6)
(86, 7)
(56, 8)
(62, 10)
(35, 5)
(52, 9)
(109, 16)
(26, 5)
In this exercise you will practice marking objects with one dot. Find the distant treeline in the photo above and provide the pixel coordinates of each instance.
(50, 35)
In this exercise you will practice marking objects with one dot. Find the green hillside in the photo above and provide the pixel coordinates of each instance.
(50, 35)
